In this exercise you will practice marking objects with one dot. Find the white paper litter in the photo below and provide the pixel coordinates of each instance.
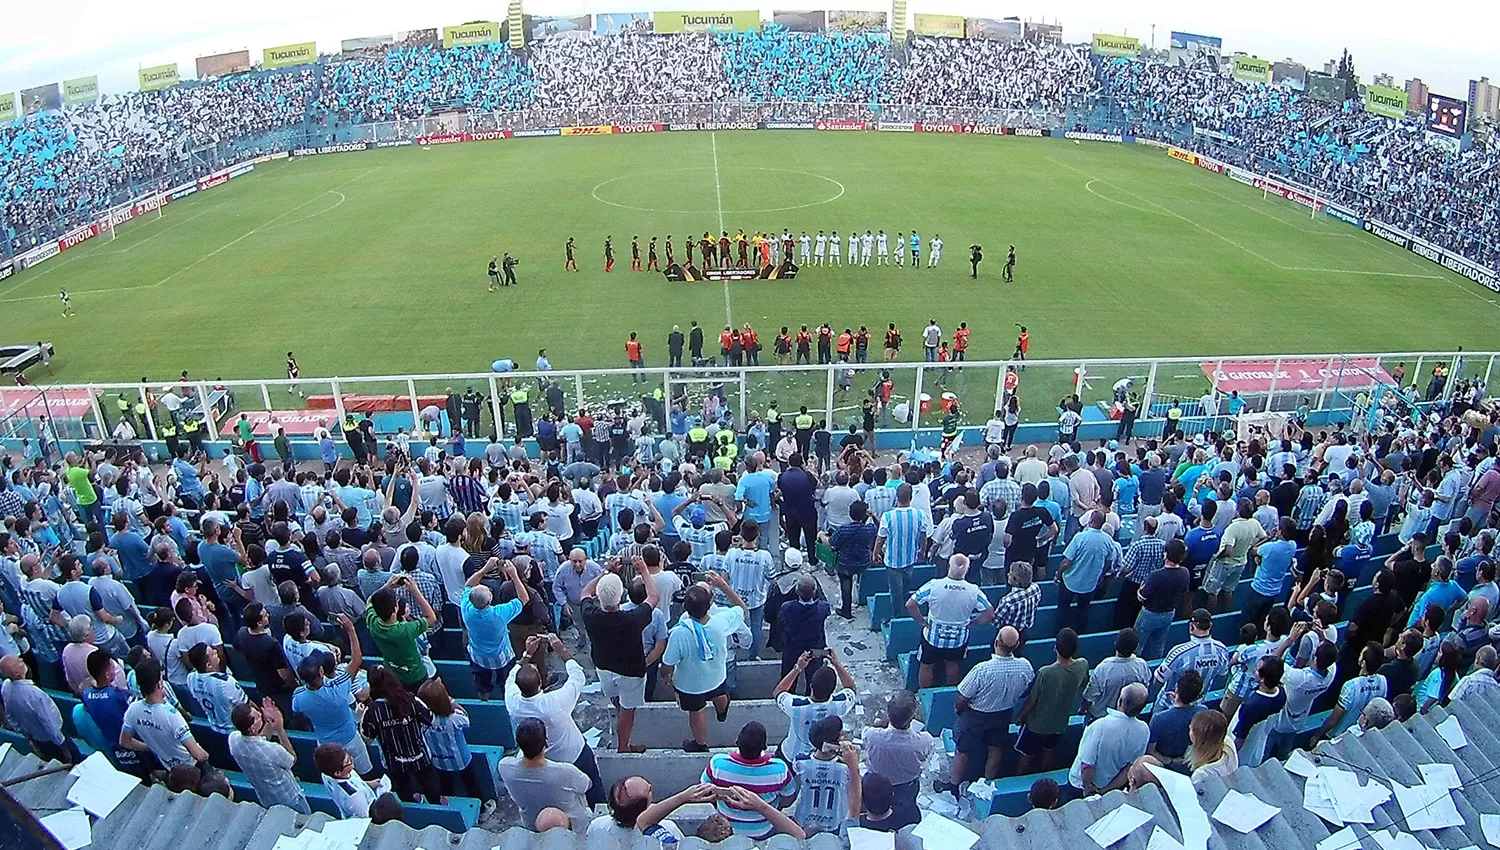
(1184, 799)
(347, 832)
(1427, 807)
(1396, 840)
(1491, 826)
(1445, 775)
(98, 787)
(1162, 840)
(1117, 824)
(1301, 765)
(1243, 812)
(1452, 732)
(1344, 839)
(938, 831)
(870, 839)
(70, 827)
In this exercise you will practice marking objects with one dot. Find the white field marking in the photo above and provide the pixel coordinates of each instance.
(1217, 235)
(1089, 187)
(713, 139)
(1307, 231)
(222, 248)
(340, 203)
(595, 191)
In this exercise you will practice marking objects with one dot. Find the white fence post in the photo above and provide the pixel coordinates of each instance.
(1275, 378)
(495, 407)
(916, 404)
(416, 413)
(828, 396)
(338, 400)
(578, 393)
(1487, 370)
(151, 414)
(744, 399)
(98, 414)
(265, 395)
(1150, 396)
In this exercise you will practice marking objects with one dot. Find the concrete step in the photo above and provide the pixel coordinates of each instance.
(664, 726)
(756, 680)
(668, 771)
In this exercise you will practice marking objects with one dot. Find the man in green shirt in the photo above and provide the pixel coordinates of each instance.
(79, 472)
(1055, 697)
(396, 636)
(950, 428)
(283, 445)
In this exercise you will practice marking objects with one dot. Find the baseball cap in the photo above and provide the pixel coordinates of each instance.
(1202, 618)
(793, 558)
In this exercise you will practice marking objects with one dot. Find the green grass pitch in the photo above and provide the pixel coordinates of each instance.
(374, 262)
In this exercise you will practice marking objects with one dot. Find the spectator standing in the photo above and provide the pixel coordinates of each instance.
(853, 544)
(1090, 553)
(1202, 652)
(525, 698)
(901, 540)
(986, 698)
(695, 660)
(618, 651)
(954, 605)
(1017, 608)
(1110, 745)
(261, 748)
(1055, 697)
(1113, 674)
(487, 625)
(535, 782)
(29, 710)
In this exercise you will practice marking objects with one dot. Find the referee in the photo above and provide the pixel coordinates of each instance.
(510, 270)
(976, 256)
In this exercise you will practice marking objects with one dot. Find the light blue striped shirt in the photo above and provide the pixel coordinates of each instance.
(880, 500)
(904, 530)
(749, 572)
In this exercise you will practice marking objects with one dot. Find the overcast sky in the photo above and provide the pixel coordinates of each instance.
(1445, 42)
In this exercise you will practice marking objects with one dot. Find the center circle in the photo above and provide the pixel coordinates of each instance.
(726, 182)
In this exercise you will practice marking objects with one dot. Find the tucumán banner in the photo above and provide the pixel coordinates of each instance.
(288, 55)
(944, 26)
(732, 21)
(158, 77)
(476, 32)
(1116, 45)
(8, 106)
(1252, 69)
(1387, 101)
(80, 90)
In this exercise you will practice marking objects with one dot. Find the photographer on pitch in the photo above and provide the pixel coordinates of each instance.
(976, 256)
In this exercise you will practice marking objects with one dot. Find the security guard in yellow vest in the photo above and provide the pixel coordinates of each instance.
(725, 458)
(804, 425)
(168, 432)
(140, 420)
(518, 401)
(192, 428)
(698, 442)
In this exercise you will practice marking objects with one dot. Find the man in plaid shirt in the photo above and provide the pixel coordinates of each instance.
(1146, 555)
(1001, 488)
(1017, 608)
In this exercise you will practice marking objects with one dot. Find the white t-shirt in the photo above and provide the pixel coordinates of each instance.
(664, 832)
(187, 638)
(354, 795)
(805, 714)
(160, 727)
(261, 585)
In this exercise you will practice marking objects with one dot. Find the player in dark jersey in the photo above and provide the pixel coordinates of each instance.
(609, 253)
(710, 253)
(635, 253)
(687, 246)
(786, 246)
(744, 248)
(671, 258)
(510, 270)
(651, 264)
(569, 264)
(494, 273)
(292, 373)
(724, 250)
(1010, 264)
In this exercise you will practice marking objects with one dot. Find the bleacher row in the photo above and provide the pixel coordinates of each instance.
(661, 726)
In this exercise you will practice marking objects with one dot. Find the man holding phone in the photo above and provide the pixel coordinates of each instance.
(695, 661)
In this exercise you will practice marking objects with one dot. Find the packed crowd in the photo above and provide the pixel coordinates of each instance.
(57, 168)
(142, 591)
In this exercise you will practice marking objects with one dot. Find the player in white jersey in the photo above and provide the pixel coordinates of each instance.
(866, 243)
(835, 250)
(215, 690)
(934, 251)
(806, 248)
(900, 248)
(821, 249)
(853, 247)
(882, 249)
(828, 784)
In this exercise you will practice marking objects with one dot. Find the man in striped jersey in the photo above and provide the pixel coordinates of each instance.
(1201, 652)
(751, 767)
(901, 540)
(693, 527)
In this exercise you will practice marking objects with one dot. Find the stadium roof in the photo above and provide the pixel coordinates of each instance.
(154, 817)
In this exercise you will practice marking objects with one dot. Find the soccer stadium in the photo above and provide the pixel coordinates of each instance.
(1019, 438)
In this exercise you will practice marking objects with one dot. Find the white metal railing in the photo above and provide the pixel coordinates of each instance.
(1042, 382)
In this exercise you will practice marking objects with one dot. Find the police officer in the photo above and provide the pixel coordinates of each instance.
(168, 432)
(803, 424)
(697, 440)
(522, 408)
(192, 428)
(473, 403)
